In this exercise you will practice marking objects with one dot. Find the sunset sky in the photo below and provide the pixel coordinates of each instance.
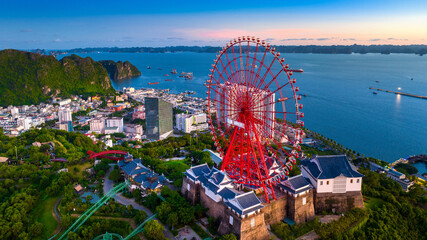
(70, 24)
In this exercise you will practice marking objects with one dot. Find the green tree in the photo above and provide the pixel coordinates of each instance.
(154, 230)
(114, 175)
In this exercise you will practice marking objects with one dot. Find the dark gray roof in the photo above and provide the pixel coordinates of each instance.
(246, 203)
(121, 163)
(226, 193)
(208, 184)
(139, 170)
(200, 169)
(216, 176)
(296, 184)
(330, 167)
(129, 167)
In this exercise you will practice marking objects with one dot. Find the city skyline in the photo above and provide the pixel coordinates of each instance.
(59, 25)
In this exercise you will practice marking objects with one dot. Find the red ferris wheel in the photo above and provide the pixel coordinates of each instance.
(252, 101)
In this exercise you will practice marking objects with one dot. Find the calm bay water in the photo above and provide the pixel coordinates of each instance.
(338, 105)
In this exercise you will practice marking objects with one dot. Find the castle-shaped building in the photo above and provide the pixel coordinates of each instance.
(327, 183)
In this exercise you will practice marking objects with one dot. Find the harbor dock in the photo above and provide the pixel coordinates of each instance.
(401, 93)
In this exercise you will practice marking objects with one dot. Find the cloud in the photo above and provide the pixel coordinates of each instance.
(296, 39)
(323, 39)
(349, 39)
(26, 30)
(375, 39)
(174, 38)
(58, 40)
(270, 39)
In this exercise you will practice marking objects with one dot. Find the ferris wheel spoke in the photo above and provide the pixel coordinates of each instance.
(244, 88)
(229, 64)
(266, 73)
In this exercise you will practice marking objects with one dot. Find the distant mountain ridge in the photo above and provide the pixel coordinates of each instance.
(31, 78)
(333, 49)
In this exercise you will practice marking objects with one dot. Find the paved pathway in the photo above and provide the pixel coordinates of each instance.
(108, 185)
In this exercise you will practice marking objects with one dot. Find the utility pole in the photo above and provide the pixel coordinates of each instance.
(16, 152)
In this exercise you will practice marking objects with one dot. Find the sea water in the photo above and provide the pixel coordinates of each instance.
(338, 102)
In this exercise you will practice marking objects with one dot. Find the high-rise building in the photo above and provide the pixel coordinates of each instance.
(188, 123)
(66, 126)
(115, 122)
(158, 114)
(24, 122)
(64, 115)
(97, 125)
(14, 111)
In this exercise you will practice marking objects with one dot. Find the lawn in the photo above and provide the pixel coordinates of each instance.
(372, 203)
(43, 214)
(81, 168)
(179, 165)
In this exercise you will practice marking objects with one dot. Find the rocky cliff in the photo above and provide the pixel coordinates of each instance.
(30, 78)
(120, 70)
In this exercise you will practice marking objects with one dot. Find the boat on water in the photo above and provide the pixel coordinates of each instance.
(166, 75)
(377, 81)
(186, 75)
(153, 83)
(148, 67)
(168, 80)
(374, 93)
(190, 92)
(173, 71)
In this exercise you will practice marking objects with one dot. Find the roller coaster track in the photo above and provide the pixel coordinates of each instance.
(104, 154)
(86, 215)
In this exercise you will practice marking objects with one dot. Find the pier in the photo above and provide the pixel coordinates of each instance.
(401, 93)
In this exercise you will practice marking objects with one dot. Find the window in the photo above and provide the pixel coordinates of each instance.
(231, 220)
(351, 180)
(304, 201)
(188, 187)
(358, 180)
(327, 182)
(253, 222)
(321, 182)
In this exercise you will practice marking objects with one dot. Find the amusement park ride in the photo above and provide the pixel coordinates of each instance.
(252, 101)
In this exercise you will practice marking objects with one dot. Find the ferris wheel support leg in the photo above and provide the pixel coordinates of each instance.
(226, 158)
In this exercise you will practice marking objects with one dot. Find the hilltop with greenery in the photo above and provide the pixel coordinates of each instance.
(30, 78)
(120, 70)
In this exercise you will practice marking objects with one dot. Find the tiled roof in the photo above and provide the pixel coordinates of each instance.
(200, 169)
(296, 184)
(330, 167)
(244, 203)
(227, 193)
(129, 167)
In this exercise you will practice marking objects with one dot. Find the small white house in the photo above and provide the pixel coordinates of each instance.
(332, 174)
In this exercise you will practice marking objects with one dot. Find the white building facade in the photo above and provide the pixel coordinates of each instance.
(189, 123)
(115, 122)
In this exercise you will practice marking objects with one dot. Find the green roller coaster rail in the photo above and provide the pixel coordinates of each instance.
(108, 236)
(140, 228)
(86, 215)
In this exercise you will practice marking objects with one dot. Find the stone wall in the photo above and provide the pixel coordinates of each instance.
(299, 212)
(191, 194)
(275, 211)
(242, 227)
(215, 209)
(337, 202)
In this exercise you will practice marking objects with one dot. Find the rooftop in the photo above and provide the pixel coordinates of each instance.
(332, 166)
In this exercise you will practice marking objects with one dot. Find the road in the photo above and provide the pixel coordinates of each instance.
(108, 185)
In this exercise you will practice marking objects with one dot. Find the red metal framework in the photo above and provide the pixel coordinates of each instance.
(104, 154)
(251, 102)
